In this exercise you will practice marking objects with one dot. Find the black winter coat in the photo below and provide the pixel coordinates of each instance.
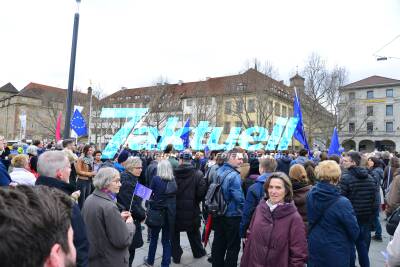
(191, 191)
(284, 164)
(124, 198)
(359, 187)
(80, 238)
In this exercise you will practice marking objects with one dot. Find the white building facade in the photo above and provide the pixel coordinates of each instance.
(369, 112)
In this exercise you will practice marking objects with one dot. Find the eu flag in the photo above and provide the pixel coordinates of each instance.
(334, 148)
(299, 133)
(185, 134)
(142, 191)
(78, 124)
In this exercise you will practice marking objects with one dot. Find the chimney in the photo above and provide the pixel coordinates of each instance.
(180, 82)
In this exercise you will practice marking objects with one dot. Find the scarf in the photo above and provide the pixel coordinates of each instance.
(273, 206)
(88, 161)
(112, 195)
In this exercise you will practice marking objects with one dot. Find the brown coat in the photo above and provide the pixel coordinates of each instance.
(244, 170)
(83, 170)
(393, 197)
(300, 201)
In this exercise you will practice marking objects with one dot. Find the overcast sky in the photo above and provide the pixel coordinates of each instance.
(131, 43)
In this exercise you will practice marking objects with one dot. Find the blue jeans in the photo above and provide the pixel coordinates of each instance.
(378, 227)
(166, 243)
(362, 244)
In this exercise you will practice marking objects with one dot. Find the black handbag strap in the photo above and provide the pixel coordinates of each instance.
(321, 216)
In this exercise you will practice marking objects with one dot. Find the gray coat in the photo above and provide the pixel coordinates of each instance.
(109, 236)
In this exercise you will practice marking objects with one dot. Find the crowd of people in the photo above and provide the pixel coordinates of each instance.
(61, 205)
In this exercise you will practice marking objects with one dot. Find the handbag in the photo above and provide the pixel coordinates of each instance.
(171, 187)
(155, 218)
(393, 222)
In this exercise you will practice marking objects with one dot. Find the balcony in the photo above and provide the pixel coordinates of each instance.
(364, 133)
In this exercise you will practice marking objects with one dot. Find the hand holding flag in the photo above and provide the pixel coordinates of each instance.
(141, 191)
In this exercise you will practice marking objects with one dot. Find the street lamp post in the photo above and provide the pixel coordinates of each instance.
(71, 73)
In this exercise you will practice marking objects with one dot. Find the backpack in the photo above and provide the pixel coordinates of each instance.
(393, 222)
(214, 200)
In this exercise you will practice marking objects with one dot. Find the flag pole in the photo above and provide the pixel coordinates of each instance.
(130, 206)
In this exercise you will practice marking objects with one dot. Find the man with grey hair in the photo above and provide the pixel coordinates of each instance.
(54, 170)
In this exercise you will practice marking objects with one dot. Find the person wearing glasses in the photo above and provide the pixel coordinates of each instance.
(110, 231)
(276, 235)
(129, 179)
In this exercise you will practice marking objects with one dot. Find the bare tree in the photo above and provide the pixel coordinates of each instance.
(163, 102)
(320, 89)
(46, 117)
(97, 122)
(203, 107)
(266, 67)
(253, 94)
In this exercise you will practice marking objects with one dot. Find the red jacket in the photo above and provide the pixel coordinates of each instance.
(275, 238)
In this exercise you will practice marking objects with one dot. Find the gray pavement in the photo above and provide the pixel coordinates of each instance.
(376, 258)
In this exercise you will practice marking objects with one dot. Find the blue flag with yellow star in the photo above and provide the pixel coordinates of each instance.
(78, 124)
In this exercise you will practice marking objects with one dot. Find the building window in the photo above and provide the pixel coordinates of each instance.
(277, 109)
(227, 127)
(189, 102)
(389, 126)
(352, 112)
(241, 87)
(370, 127)
(238, 124)
(352, 127)
(370, 94)
(270, 106)
(208, 101)
(251, 105)
(389, 92)
(352, 96)
(284, 111)
(370, 111)
(239, 106)
(251, 124)
(228, 107)
(389, 110)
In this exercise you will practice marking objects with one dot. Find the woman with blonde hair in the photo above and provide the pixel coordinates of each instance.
(332, 224)
(301, 187)
(276, 235)
(21, 172)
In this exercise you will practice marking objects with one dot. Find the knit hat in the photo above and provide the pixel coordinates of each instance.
(123, 156)
(185, 156)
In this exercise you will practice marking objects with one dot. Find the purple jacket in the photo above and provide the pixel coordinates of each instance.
(275, 238)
